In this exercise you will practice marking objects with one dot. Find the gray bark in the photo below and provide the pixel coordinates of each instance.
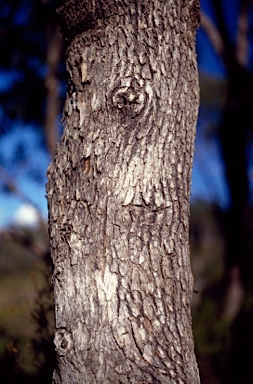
(118, 193)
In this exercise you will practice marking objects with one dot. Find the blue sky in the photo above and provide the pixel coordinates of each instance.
(208, 173)
(30, 187)
(208, 179)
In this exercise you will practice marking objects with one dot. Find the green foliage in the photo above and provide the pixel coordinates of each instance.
(26, 314)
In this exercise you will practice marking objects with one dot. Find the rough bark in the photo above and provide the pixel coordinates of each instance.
(118, 193)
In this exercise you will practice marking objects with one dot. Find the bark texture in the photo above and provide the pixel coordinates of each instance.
(118, 193)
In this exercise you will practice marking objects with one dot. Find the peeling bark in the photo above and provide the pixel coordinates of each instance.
(118, 193)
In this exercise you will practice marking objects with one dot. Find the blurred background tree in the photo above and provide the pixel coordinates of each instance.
(32, 92)
(228, 28)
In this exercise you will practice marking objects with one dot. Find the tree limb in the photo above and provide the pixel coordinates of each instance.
(52, 86)
(242, 43)
(213, 34)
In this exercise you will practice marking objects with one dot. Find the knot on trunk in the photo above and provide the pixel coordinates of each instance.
(128, 100)
(63, 342)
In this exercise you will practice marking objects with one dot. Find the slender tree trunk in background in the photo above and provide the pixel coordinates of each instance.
(235, 132)
(54, 52)
(118, 193)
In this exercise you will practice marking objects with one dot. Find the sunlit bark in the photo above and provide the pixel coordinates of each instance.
(118, 194)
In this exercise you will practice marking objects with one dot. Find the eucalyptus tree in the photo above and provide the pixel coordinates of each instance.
(118, 193)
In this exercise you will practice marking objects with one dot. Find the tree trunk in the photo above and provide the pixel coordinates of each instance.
(118, 193)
